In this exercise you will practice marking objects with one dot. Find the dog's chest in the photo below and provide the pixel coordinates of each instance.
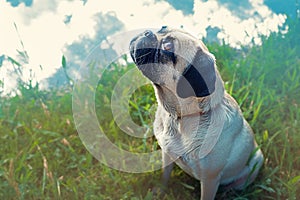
(181, 141)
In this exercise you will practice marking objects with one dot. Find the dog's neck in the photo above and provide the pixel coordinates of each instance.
(192, 106)
(177, 107)
(195, 114)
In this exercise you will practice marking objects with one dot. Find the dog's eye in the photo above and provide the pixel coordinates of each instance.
(167, 46)
(167, 53)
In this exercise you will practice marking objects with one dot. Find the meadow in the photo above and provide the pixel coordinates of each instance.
(42, 156)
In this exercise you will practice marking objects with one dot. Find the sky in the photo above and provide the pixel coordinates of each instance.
(48, 29)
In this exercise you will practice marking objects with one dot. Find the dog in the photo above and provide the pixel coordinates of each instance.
(198, 125)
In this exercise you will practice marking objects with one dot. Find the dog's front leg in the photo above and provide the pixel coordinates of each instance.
(209, 188)
(167, 169)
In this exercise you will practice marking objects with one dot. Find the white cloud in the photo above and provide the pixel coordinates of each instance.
(44, 33)
(258, 20)
(38, 8)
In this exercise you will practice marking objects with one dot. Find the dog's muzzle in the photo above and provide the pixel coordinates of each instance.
(143, 48)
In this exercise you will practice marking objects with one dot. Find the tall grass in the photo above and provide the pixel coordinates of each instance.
(42, 156)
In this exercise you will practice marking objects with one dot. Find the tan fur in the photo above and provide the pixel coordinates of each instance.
(206, 136)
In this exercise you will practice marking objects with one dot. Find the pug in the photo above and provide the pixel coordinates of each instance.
(198, 125)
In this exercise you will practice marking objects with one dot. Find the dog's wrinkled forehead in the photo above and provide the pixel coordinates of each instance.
(185, 44)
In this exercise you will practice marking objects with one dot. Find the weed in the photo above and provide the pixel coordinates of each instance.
(42, 156)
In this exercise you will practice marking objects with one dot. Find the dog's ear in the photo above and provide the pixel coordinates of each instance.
(199, 77)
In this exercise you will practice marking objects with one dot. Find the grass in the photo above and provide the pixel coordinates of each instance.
(42, 156)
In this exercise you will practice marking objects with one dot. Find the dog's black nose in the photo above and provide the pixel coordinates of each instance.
(149, 34)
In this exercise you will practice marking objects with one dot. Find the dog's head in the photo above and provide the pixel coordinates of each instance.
(177, 63)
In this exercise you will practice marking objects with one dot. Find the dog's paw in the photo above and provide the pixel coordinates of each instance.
(158, 192)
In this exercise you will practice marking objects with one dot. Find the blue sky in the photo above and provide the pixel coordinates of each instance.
(52, 28)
